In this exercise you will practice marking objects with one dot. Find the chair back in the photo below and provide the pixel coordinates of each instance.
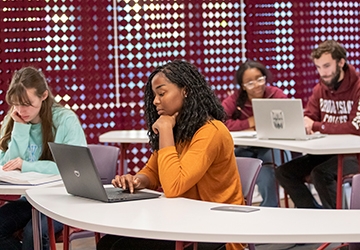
(249, 169)
(355, 192)
(106, 160)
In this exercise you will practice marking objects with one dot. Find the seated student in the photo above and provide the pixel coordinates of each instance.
(33, 120)
(333, 108)
(192, 149)
(251, 78)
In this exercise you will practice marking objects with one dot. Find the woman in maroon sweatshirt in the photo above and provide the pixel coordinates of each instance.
(251, 78)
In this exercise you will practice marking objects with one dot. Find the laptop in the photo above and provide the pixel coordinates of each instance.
(81, 178)
(280, 119)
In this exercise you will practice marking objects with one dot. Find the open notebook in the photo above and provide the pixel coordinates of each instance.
(26, 178)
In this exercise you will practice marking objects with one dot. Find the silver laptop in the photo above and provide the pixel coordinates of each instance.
(81, 178)
(280, 119)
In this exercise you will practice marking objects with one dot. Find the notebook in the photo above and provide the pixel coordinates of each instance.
(81, 178)
(280, 119)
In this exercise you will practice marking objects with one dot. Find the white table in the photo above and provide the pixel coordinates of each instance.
(181, 219)
(330, 144)
(124, 137)
(11, 189)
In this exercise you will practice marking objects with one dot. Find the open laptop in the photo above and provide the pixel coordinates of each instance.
(280, 119)
(81, 178)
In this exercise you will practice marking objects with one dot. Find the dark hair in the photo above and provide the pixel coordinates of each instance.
(337, 51)
(200, 104)
(243, 96)
(22, 80)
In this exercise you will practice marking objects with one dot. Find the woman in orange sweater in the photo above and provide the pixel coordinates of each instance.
(193, 153)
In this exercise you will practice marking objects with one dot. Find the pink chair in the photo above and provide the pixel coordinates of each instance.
(249, 169)
(355, 192)
(8, 197)
(355, 202)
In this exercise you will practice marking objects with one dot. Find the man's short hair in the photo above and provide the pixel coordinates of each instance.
(337, 51)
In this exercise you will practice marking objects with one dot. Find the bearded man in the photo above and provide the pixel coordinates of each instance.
(333, 108)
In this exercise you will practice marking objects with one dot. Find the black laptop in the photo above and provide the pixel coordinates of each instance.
(81, 178)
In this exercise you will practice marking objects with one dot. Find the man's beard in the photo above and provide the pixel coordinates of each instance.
(334, 82)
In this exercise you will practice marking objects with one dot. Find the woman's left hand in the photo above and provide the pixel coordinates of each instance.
(14, 164)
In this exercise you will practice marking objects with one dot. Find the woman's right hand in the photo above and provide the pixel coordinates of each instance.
(127, 181)
(14, 164)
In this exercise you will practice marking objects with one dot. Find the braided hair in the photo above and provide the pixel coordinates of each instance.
(243, 96)
(199, 106)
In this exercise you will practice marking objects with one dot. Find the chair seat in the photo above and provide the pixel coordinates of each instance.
(5, 198)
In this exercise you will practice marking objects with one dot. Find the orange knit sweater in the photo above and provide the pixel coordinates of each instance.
(202, 169)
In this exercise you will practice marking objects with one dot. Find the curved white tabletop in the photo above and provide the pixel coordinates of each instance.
(190, 220)
(330, 144)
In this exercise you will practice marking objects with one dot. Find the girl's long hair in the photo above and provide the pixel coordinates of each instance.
(199, 106)
(24, 79)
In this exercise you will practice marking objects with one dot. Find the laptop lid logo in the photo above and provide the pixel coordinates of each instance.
(76, 173)
(277, 119)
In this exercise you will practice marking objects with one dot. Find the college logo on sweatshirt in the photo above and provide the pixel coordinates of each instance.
(339, 111)
(356, 120)
(335, 111)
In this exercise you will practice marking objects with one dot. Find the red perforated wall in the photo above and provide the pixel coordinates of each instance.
(100, 71)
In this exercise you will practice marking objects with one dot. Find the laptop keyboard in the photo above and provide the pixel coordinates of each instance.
(314, 136)
(115, 194)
